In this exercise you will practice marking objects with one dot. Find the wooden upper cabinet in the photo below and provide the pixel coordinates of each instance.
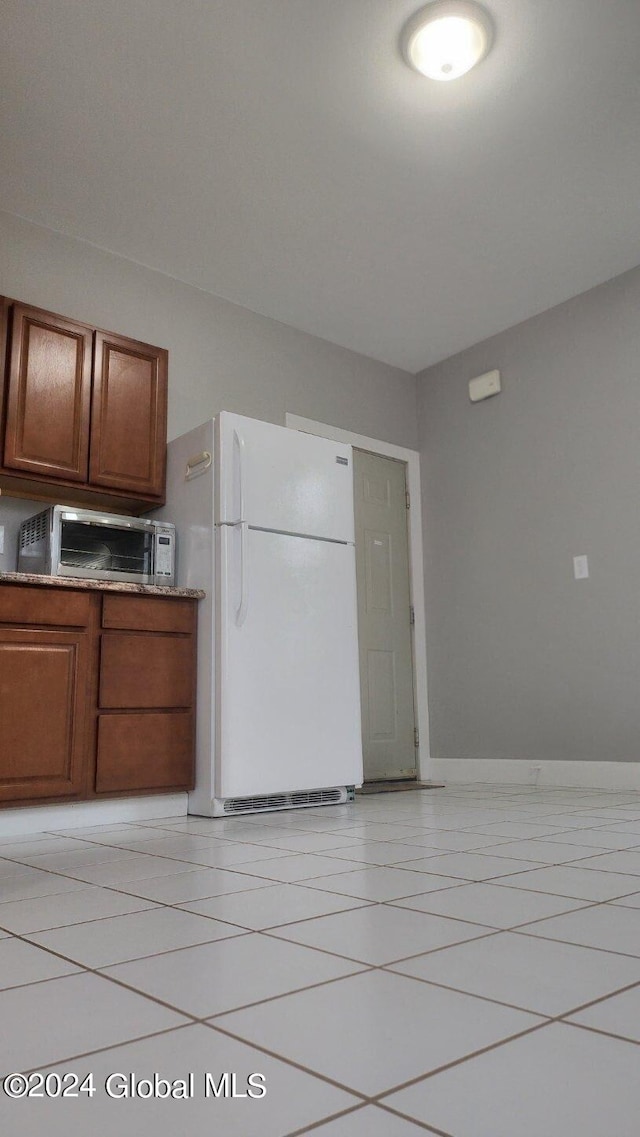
(49, 395)
(128, 417)
(80, 409)
(4, 319)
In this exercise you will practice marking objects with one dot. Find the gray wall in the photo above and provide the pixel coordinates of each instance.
(524, 661)
(221, 356)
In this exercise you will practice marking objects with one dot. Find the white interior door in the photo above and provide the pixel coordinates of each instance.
(288, 678)
(384, 617)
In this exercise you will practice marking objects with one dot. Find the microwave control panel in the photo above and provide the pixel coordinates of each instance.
(164, 554)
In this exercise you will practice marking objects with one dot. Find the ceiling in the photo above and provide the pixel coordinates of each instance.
(280, 154)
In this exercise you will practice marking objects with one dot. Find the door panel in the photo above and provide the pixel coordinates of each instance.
(43, 713)
(144, 751)
(378, 572)
(282, 479)
(128, 419)
(382, 699)
(288, 687)
(49, 395)
(384, 617)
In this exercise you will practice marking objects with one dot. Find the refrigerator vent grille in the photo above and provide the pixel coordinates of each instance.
(283, 801)
(316, 797)
(250, 804)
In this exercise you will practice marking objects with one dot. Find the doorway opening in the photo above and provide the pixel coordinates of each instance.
(409, 461)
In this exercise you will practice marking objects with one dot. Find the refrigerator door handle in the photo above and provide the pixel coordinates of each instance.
(241, 611)
(238, 441)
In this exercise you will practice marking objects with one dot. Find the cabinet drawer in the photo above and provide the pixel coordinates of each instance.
(145, 751)
(147, 613)
(48, 607)
(146, 671)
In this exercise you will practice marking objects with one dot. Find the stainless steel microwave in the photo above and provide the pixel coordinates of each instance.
(62, 541)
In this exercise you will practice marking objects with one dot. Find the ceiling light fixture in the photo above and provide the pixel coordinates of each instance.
(447, 38)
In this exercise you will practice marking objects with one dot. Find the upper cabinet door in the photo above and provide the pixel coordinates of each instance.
(128, 417)
(49, 394)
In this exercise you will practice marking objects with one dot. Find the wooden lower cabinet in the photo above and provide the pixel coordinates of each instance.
(93, 700)
(43, 711)
(138, 751)
(138, 671)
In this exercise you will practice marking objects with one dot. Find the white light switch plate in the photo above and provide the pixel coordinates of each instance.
(580, 567)
(1, 539)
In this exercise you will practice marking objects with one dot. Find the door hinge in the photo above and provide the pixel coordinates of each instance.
(412, 615)
(416, 737)
(407, 498)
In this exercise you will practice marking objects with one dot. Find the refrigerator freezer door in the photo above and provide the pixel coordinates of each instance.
(288, 680)
(280, 479)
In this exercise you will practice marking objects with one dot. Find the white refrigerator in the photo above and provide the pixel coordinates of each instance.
(265, 525)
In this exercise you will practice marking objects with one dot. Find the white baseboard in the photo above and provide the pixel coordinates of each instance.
(583, 775)
(45, 818)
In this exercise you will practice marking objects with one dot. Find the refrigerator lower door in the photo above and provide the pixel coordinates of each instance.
(288, 694)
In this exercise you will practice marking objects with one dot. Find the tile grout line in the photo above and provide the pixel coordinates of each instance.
(512, 1006)
(358, 1109)
(377, 1099)
(102, 1049)
(572, 943)
(601, 1031)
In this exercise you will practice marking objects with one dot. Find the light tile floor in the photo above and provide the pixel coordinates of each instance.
(463, 961)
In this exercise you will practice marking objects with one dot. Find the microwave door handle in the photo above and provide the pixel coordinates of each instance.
(111, 523)
(241, 611)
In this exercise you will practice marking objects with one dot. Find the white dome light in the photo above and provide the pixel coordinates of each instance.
(447, 38)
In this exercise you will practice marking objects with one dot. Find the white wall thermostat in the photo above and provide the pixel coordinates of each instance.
(484, 386)
(581, 567)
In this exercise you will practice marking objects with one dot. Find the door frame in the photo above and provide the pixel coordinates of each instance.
(416, 564)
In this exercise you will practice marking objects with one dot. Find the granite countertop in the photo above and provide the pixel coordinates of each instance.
(101, 585)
